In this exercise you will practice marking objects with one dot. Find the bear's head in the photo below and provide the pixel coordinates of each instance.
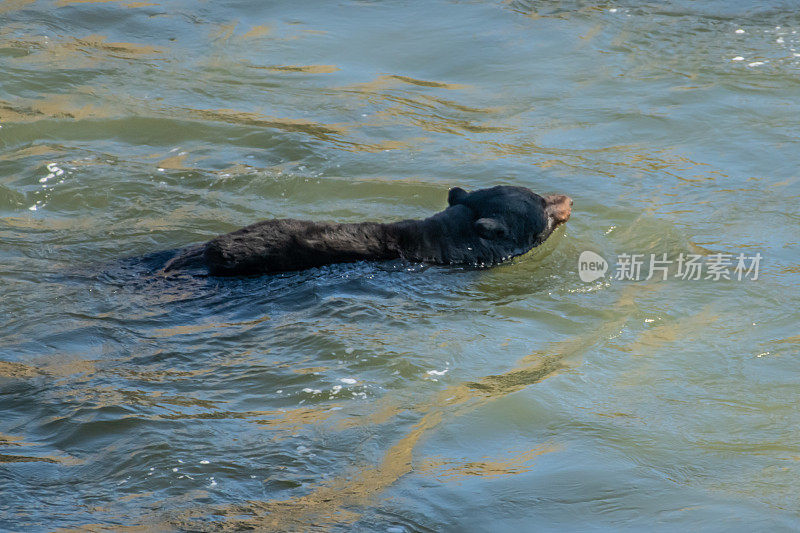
(513, 216)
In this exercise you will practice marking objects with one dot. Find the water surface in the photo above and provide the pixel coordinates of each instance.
(395, 397)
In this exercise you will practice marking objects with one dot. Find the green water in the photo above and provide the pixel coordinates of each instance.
(395, 397)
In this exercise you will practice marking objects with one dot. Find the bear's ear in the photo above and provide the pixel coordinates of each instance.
(456, 196)
(490, 228)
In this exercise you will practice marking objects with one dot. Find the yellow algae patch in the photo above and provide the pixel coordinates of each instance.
(225, 31)
(25, 459)
(11, 440)
(333, 133)
(657, 336)
(10, 113)
(174, 162)
(592, 33)
(199, 328)
(88, 44)
(460, 107)
(111, 397)
(385, 81)
(53, 106)
(55, 368)
(124, 50)
(616, 414)
(70, 367)
(158, 375)
(329, 132)
(293, 420)
(517, 463)
(63, 106)
(290, 420)
(438, 124)
(30, 151)
(310, 69)
(68, 460)
(390, 145)
(7, 6)
(310, 370)
(88, 48)
(425, 83)
(532, 369)
(788, 340)
(62, 3)
(386, 409)
(77, 52)
(257, 31)
(17, 370)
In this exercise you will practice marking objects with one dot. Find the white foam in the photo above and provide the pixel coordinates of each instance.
(438, 372)
(203, 462)
(349, 381)
(737, 58)
(755, 64)
(740, 30)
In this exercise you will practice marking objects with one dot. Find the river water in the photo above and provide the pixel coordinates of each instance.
(397, 397)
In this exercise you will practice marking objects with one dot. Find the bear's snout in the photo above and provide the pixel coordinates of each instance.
(558, 206)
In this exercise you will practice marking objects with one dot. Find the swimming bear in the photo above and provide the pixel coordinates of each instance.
(479, 228)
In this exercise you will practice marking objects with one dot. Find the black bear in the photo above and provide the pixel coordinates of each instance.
(481, 228)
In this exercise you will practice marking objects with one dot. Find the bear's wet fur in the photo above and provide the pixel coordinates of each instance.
(479, 228)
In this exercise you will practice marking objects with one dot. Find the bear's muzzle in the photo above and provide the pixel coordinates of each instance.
(558, 206)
